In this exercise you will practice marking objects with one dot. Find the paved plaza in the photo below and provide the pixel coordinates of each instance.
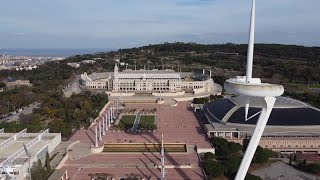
(178, 125)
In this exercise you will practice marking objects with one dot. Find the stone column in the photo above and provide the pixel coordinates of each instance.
(112, 115)
(100, 138)
(106, 118)
(109, 120)
(96, 133)
(103, 126)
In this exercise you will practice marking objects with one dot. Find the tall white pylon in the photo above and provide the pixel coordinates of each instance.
(250, 52)
(251, 43)
(252, 87)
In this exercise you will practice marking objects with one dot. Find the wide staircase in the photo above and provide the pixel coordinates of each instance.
(145, 147)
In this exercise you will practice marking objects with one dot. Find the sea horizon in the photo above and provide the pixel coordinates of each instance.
(51, 52)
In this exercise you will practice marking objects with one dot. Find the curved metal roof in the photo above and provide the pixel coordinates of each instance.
(286, 112)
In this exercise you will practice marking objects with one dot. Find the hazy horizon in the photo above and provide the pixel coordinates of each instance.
(125, 24)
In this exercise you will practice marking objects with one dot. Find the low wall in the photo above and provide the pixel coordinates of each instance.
(205, 150)
(169, 94)
(121, 94)
(96, 150)
(65, 158)
(54, 142)
(198, 91)
(190, 98)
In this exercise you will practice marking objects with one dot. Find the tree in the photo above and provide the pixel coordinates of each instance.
(217, 169)
(252, 177)
(313, 168)
(261, 155)
(48, 166)
(232, 165)
(209, 156)
(208, 166)
(2, 85)
(38, 172)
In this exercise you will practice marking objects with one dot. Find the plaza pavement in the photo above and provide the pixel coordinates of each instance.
(178, 125)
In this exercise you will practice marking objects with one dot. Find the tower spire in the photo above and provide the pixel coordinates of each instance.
(251, 43)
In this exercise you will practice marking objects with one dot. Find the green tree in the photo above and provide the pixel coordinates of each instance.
(208, 166)
(38, 172)
(217, 169)
(252, 177)
(261, 155)
(2, 85)
(48, 166)
(313, 168)
(36, 119)
(209, 156)
(232, 165)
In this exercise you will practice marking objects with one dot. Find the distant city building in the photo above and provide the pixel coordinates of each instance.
(18, 83)
(293, 126)
(167, 82)
(75, 65)
(28, 68)
(88, 61)
(19, 63)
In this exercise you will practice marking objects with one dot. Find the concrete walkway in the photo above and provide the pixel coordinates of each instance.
(136, 122)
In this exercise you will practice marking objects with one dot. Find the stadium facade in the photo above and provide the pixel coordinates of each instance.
(167, 82)
(293, 126)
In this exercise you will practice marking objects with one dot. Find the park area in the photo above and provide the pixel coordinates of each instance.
(126, 121)
(147, 122)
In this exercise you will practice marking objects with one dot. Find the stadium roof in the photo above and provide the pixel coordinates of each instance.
(286, 112)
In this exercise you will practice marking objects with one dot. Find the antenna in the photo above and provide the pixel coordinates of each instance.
(251, 43)
(250, 52)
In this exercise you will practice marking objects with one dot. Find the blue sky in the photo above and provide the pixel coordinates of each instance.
(129, 23)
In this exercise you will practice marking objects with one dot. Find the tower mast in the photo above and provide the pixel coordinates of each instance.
(251, 43)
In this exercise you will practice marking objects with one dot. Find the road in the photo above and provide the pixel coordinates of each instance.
(73, 87)
(25, 110)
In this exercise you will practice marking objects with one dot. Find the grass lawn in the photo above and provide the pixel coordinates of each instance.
(127, 121)
(147, 122)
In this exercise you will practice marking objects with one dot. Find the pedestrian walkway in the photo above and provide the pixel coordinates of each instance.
(136, 122)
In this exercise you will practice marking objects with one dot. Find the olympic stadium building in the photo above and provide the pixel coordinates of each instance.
(293, 126)
(157, 82)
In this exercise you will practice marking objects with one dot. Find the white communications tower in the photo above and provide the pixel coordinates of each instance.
(252, 87)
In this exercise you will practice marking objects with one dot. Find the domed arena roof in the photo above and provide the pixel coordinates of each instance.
(286, 112)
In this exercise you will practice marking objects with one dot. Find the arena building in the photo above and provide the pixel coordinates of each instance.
(293, 126)
(15, 159)
(167, 82)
